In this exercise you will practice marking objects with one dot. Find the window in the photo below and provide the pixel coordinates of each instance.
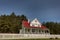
(35, 20)
(46, 31)
(28, 30)
(32, 25)
(39, 31)
(33, 30)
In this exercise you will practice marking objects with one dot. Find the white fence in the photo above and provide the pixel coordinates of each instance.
(27, 36)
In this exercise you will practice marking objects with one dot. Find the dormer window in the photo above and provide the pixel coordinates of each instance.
(32, 25)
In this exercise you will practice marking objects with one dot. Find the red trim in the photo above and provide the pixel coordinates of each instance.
(27, 25)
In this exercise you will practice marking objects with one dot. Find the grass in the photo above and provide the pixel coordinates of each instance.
(29, 39)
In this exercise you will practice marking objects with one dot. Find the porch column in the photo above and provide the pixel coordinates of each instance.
(24, 30)
(38, 31)
(41, 31)
(31, 31)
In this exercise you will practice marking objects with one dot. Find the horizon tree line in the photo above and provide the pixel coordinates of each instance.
(13, 23)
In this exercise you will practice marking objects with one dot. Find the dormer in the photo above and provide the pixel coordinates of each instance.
(35, 23)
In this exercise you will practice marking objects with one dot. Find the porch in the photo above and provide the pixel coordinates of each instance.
(35, 31)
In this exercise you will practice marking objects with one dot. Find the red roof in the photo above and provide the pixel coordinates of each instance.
(27, 25)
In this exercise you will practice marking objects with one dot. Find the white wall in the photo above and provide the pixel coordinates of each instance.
(36, 23)
(27, 36)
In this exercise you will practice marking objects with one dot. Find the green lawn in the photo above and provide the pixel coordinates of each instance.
(29, 39)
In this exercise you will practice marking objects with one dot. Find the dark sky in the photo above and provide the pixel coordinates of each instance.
(44, 10)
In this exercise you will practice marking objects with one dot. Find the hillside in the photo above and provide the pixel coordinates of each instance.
(11, 23)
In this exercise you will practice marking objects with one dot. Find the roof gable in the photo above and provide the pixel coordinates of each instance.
(27, 25)
(35, 22)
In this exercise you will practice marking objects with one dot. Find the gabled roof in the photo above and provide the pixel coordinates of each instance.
(27, 25)
(35, 21)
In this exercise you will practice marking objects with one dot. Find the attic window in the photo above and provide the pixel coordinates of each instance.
(32, 25)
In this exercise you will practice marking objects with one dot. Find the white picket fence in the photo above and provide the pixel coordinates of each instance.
(27, 36)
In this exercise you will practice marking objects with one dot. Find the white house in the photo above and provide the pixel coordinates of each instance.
(33, 27)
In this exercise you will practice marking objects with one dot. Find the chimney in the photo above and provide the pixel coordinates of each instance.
(28, 20)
